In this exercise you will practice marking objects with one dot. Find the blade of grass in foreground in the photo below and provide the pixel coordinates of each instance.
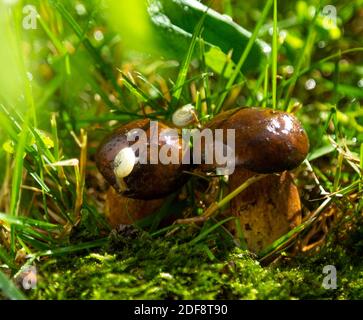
(300, 60)
(103, 67)
(16, 182)
(283, 240)
(244, 55)
(185, 65)
(73, 248)
(8, 288)
(274, 57)
(5, 258)
(25, 222)
(138, 92)
(202, 235)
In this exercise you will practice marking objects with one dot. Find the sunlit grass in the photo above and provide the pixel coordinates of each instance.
(50, 194)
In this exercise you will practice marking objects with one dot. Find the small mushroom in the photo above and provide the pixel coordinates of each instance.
(122, 210)
(118, 161)
(266, 141)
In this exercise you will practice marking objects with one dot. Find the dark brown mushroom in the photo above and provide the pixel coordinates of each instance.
(116, 160)
(266, 141)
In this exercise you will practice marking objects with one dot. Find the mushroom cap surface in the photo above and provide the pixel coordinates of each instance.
(146, 181)
(266, 140)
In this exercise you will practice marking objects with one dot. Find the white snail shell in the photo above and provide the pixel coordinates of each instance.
(184, 116)
(124, 162)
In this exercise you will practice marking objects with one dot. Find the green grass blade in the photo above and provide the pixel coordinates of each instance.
(208, 231)
(138, 92)
(25, 222)
(274, 56)
(16, 183)
(317, 64)
(185, 65)
(5, 257)
(244, 55)
(300, 60)
(9, 290)
(73, 248)
(102, 66)
(283, 240)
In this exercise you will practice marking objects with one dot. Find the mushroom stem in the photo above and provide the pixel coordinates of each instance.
(215, 206)
(239, 189)
(122, 210)
(266, 210)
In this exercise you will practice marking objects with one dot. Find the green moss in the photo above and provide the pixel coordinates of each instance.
(138, 267)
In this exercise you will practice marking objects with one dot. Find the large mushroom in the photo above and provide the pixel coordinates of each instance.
(270, 142)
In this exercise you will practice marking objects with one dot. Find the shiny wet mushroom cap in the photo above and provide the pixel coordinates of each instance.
(266, 140)
(116, 159)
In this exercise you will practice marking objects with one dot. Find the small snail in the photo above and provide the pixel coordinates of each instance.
(119, 161)
(184, 116)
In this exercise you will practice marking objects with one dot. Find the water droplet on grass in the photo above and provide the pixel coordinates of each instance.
(321, 44)
(98, 34)
(30, 76)
(310, 84)
(80, 9)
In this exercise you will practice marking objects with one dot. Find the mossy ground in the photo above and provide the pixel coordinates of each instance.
(140, 267)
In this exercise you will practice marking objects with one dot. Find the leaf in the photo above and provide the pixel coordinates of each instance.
(8, 146)
(216, 59)
(175, 21)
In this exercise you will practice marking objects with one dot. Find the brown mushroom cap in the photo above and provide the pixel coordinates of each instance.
(146, 181)
(266, 140)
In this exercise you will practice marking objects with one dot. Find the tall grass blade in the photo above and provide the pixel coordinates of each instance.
(8, 288)
(244, 55)
(185, 65)
(274, 56)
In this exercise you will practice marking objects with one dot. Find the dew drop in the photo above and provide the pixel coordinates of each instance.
(321, 44)
(30, 76)
(80, 9)
(310, 84)
(98, 34)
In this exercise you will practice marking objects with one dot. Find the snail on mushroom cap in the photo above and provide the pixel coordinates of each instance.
(138, 187)
(118, 161)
